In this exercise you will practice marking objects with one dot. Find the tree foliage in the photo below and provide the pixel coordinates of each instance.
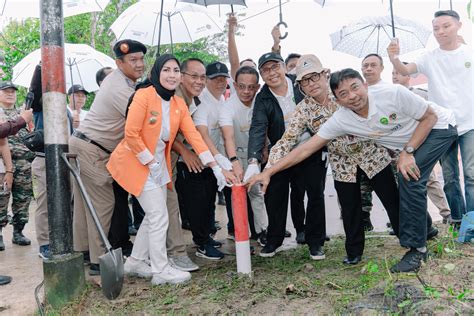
(19, 38)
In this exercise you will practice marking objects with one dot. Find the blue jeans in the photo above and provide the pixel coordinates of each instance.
(414, 219)
(452, 186)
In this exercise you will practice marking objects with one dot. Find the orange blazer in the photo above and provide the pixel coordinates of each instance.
(142, 131)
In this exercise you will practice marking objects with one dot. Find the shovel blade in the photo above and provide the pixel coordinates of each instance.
(111, 273)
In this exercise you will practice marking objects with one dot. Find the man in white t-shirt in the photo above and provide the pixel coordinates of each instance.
(235, 119)
(206, 119)
(395, 118)
(77, 97)
(450, 81)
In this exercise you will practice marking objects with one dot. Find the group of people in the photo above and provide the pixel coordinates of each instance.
(172, 140)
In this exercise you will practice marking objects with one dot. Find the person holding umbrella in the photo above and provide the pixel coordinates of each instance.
(450, 80)
(154, 118)
(77, 97)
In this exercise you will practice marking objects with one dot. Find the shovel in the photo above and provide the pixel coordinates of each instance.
(111, 263)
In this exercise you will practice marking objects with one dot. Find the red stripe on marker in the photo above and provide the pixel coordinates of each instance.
(52, 58)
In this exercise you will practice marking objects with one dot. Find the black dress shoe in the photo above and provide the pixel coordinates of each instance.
(300, 238)
(327, 238)
(432, 233)
(94, 269)
(354, 260)
(5, 279)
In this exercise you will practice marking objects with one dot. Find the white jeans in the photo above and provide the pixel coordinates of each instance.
(151, 237)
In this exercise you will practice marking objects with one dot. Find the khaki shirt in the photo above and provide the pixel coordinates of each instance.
(346, 153)
(105, 122)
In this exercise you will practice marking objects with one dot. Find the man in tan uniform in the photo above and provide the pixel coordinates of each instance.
(95, 139)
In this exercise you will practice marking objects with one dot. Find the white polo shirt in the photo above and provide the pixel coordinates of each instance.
(207, 114)
(392, 119)
(450, 82)
(235, 113)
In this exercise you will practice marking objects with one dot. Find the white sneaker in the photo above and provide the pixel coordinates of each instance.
(170, 275)
(183, 263)
(137, 268)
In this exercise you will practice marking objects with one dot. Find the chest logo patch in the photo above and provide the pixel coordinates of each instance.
(467, 64)
(393, 116)
(384, 120)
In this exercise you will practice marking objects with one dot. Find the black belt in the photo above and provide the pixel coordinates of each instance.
(86, 139)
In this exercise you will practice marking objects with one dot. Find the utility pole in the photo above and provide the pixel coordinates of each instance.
(64, 273)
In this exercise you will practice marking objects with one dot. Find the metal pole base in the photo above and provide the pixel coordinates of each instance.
(64, 279)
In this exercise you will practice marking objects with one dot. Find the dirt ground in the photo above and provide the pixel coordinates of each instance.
(290, 283)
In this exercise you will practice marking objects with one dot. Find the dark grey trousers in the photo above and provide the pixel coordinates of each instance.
(413, 202)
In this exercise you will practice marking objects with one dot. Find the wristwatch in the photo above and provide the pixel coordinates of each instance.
(234, 158)
(409, 150)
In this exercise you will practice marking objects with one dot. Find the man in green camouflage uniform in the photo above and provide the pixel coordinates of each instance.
(21, 190)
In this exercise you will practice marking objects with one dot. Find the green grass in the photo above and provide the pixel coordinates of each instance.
(289, 282)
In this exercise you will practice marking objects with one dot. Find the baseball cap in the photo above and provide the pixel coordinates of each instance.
(6, 85)
(217, 69)
(268, 57)
(76, 88)
(308, 64)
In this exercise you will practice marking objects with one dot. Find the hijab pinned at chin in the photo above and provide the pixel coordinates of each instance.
(154, 78)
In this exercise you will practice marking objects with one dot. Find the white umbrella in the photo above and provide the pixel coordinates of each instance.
(80, 59)
(31, 8)
(183, 23)
(373, 34)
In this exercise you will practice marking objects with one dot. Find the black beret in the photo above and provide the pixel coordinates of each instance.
(128, 46)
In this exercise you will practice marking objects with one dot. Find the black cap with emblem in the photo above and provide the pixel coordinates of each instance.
(128, 46)
(217, 69)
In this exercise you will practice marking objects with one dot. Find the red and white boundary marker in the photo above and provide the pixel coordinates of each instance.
(241, 228)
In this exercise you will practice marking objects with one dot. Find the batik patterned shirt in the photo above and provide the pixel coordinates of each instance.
(346, 153)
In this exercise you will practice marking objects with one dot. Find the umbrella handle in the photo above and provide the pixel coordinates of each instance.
(286, 26)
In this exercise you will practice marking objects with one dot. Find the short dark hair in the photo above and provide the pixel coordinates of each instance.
(374, 55)
(248, 59)
(247, 70)
(291, 56)
(100, 74)
(341, 75)
(450, 13)
(184, 65)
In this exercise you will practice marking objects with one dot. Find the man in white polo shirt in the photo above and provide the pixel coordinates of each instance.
(395, 118)
(234, 119)
(450, 75)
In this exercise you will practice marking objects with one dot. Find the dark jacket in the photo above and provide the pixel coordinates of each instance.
(268, 120)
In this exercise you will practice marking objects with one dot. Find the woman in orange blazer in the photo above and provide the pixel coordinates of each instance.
(141, 165)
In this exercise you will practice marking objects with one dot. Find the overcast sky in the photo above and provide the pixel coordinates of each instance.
(309, 26)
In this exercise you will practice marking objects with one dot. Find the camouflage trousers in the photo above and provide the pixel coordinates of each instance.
(21, 193)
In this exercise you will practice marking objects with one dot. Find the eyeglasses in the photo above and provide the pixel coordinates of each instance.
(265, 71)
(314, 78)
(195, 77)
(250, 87)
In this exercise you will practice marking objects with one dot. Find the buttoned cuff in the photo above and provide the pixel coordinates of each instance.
(206, 157)
(145, 157)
